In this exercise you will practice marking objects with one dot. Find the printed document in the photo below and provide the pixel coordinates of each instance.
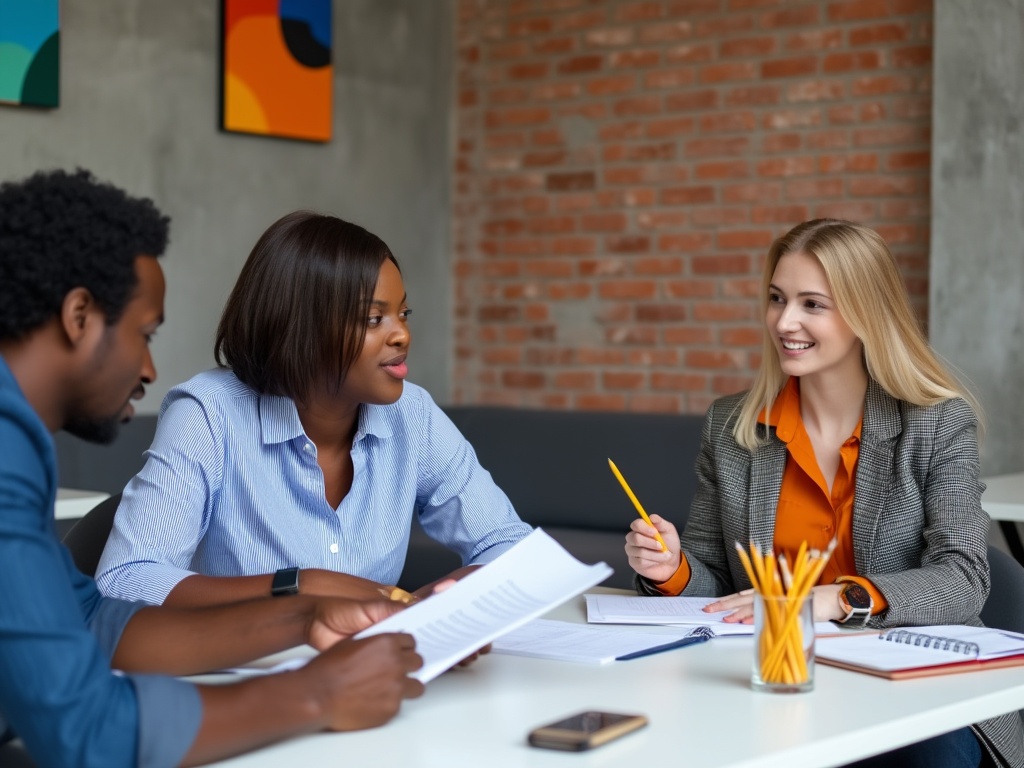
(530, 579)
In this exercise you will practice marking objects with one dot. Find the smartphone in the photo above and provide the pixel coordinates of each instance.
(585, 730)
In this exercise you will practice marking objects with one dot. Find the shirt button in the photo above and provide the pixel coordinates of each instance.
(308, 447)
(334, 549)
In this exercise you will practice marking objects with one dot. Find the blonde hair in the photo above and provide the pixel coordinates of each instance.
(870, 295)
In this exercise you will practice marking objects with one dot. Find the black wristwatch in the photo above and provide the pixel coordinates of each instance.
(286, 582)
(856, 601)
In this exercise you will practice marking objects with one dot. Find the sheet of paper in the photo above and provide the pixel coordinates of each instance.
(583, 643)
(255, 670)
(530, 579)
(630, 609)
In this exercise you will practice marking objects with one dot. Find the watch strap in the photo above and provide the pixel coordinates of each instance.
(857, 616)
(286, 582)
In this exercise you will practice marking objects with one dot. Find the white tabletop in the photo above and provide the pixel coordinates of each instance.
(1004, 497)
(702, 712)
(72, 504)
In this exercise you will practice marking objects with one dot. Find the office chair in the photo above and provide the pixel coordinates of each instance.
(1004, 608)
(88, 536)
(13, 755)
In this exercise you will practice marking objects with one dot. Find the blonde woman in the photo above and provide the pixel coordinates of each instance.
(853, 430)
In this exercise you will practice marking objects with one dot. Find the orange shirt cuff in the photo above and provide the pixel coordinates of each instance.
(878, 601)
(678, 581)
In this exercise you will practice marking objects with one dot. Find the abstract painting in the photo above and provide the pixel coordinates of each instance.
(277, 76)
(29, 52)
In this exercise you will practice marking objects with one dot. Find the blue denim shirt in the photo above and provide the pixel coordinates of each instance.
(58, 634)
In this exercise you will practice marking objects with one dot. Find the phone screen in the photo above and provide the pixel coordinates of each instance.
(585, 730)
(588, 722)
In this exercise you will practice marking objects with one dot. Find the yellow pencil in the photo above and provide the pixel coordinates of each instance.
(636, 503)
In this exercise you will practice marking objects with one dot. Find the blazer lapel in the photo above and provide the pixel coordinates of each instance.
(766, 468)
(882, 424)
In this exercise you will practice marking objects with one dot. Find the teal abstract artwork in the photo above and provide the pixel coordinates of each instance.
(29, 52)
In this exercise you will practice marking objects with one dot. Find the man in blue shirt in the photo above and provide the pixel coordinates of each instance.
(81, 295)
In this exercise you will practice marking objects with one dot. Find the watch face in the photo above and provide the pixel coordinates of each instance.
(856, 596)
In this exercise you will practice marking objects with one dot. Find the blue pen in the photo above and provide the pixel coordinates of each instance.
(699, 635)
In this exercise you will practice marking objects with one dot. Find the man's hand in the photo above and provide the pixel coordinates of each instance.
(361, 683)
(335, 619)
(355, 684)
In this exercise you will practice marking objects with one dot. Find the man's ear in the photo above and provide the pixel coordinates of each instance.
(76, 313)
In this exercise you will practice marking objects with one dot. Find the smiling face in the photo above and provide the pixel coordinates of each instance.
(119, 362)
(809, 334)
(377, 374)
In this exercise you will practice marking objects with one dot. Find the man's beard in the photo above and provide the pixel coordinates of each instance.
(103, 432)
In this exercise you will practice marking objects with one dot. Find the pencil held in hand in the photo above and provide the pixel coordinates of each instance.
(636, 503)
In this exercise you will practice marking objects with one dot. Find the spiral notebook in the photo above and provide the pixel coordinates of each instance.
(899, 654)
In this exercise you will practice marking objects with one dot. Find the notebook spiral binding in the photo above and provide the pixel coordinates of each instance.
(931, 641)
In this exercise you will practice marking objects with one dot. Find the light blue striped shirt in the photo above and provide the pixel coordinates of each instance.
(231, 487)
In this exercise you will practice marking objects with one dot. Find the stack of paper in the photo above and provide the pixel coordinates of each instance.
(664, 611)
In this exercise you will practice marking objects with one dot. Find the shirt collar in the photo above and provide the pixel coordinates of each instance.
(785, 412)
(279, 420)
(372, 421)
(6, 374)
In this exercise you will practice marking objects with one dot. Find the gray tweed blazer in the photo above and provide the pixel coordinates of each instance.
(919, 531)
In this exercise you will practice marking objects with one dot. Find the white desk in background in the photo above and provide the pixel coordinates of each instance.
(1004, 501)
(72, 504)
(702, 713)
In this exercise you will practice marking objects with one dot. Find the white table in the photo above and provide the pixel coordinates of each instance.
(702, 713)
(1004, 501)
(72, 504)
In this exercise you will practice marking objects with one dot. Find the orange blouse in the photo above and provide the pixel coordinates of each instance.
(807, 511)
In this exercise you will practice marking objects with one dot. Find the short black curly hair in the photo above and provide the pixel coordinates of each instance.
(60, 231)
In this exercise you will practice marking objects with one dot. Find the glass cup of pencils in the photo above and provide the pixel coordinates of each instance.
(783, 644)
(783, 617)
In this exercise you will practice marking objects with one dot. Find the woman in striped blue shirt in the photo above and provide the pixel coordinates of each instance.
(299, 463)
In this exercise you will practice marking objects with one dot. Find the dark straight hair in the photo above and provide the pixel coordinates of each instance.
(296, 318)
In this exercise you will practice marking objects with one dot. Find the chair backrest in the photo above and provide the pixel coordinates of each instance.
(14, 755)
(88, 536)
(553, 465)
(1004, 608)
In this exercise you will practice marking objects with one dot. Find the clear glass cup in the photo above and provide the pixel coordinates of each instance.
(783, 645)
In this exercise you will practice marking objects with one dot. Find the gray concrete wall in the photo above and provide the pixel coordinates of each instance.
(139, 107)
(977, 258)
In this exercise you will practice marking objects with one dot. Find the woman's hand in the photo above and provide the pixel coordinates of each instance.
(644, 550)
(826, 605)
(444, 583)
(741, 604)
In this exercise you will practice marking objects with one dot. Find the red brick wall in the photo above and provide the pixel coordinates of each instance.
(623, 165)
